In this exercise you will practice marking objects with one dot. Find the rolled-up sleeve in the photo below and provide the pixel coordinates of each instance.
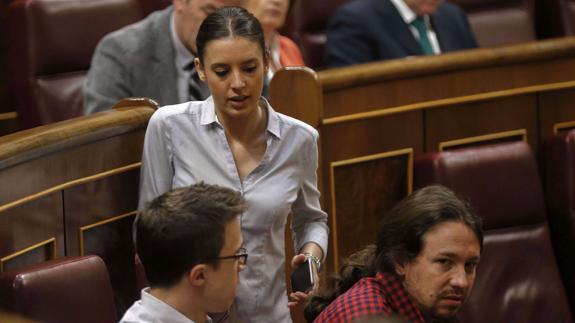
(309, 222)
(157, 168)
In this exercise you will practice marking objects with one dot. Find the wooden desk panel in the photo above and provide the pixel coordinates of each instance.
(556, 112)
(32, 232)
(482, 118)
(75, 182)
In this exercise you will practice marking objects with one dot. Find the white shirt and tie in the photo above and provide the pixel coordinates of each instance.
(184, 70)
(409, 17)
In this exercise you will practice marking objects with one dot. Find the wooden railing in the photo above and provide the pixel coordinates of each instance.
(71, 188)
(374, 118)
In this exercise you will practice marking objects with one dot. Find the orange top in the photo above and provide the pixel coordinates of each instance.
(290, 55)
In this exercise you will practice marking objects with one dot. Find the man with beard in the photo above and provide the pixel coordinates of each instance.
(421, 269)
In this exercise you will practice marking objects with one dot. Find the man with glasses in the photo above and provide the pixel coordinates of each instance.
(190, 244)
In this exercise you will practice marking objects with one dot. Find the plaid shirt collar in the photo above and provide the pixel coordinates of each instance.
(398, 298)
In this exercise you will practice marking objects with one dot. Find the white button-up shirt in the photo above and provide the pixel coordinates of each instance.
(149, 309)
(186, 144)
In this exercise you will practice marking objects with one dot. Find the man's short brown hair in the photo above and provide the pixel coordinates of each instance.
(183, 228)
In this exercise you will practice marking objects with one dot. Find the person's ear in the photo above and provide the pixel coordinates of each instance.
(399, 268)
(179, 4)
(197, 275)
(200, 69)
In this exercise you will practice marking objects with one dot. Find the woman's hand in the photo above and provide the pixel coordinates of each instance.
(300, 298)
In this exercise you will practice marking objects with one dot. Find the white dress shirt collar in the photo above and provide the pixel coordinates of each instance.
(183, 56)
(404, 11)
(409, 16)
(209, 116)
(150, 309)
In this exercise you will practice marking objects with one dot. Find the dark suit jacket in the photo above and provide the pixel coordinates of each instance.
(371, 30)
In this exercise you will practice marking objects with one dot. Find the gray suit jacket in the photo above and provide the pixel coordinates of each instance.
(137, 60)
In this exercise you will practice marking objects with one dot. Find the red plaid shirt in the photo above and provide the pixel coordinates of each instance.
(382, 295)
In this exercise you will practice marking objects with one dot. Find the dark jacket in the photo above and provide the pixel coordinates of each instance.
(372, 30)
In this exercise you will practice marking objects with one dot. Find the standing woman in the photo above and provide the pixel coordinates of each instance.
(235, 139)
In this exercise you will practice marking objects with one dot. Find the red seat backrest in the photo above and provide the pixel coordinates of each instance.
(65, 290)
(517, 279)
(559, 159)
(51, 43)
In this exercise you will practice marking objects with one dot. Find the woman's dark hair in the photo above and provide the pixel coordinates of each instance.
(230, 22)
(400, 240)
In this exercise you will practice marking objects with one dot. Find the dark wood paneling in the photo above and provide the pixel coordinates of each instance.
(28, 224)
(434, 78)
(75, 180)
(81, 161)
(303, 95)
(364, 191)
(112, 241)
(482, 118)
(98, 201)
(556, 107)
(8, 123)
(352, 139)
(99, 217)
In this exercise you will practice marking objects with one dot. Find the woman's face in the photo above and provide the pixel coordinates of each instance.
(234, 70)
(270, 13)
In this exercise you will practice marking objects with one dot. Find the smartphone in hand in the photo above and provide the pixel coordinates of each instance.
(302, 278)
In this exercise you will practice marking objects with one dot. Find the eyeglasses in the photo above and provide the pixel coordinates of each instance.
(241, 256)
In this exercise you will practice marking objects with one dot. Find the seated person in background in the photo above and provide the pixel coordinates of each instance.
(272, 15)
(422, 268)
(371, 30)
(190, 244)
(151, 58)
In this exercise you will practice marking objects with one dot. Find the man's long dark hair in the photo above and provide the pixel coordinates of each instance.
(399, 240)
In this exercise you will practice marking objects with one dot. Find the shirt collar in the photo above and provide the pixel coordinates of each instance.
(183, 56)
(273, 119)
(405, 12)
(398, 297)
(208, 116)
(162, 311)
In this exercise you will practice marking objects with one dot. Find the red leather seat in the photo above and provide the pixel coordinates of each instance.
(51, 43)
(65, 290)
(150, 6)
(500, 22)
(307, 24)
(555, 18)
(559, 158)
(517, 278)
